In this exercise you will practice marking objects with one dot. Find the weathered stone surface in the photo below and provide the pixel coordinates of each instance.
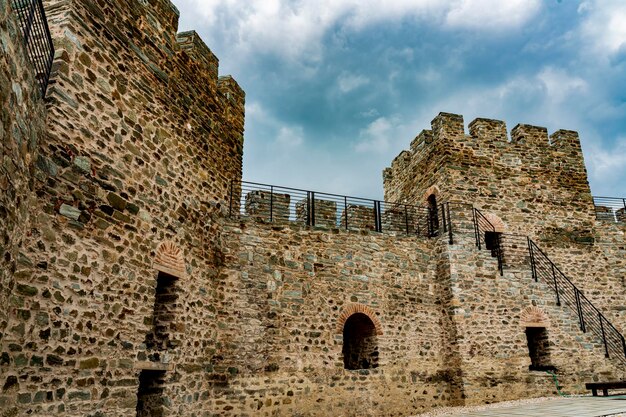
(126, 285)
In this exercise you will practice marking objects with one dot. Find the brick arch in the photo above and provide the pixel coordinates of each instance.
(533, 316)
(496, 222)
(433, 189)
(355, 308)
(170, 259)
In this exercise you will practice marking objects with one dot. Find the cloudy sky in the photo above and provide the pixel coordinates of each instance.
(337, 88)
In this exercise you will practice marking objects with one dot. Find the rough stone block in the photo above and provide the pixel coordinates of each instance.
(268, 206)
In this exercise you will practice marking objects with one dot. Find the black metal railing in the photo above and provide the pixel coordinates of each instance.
(515, 251)
(37, 39)
(278, 204)
(589, 317)
(610, 209)
(487, 236)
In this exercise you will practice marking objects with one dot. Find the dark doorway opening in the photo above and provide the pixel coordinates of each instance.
(150, 394)
(539, 349)
(492, 242)
(360, 345)
(164, 314)
(433, 216)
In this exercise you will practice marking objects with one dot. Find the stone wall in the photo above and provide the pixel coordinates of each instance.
(532, 182)
(533, 185)
(22, 118)
(491, 312)
(142, 143)
(293, 288)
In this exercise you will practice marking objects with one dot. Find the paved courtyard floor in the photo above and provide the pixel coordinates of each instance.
(561, 407)
(554, 407)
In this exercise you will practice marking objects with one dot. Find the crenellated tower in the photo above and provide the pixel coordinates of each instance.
(520, 179)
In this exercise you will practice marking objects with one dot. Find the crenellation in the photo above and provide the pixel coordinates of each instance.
(422, 140)
(488, 130)
(530, 135)
(566, 139)
(449, 126)
(191, 43)
(130, 290)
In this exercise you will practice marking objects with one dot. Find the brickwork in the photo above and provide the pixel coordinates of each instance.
(21, 130)
(129, 291)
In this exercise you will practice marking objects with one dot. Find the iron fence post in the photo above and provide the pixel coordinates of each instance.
(606, 347)
(271, 203)
(443, 218)
(533, 268)
(499, 254)
(476, 231)
(312, 208)
(579, 310)
(308, 208)
(556, 286)
(451, 240)
(377, 221)
(345, 210)
(29, 22)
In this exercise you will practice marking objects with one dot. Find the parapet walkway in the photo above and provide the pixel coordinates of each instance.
(557, 407)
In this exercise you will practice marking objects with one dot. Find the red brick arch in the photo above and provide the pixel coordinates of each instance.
(533, 316)
(496, 222)
(433, 189)
(355, 308)
(169, 258)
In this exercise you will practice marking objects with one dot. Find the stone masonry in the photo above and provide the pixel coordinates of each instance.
(126, 289)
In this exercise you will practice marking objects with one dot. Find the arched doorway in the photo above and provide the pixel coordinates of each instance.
(360, 344)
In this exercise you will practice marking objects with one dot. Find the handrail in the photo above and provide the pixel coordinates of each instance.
(589, 316)
(482, 226)
(31, 17)
(273, 203)
(611, 209)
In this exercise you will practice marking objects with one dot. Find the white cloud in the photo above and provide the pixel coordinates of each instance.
(491, 14)
(348, 82)
(295, 29)
(606, 163)
(603, 30)
(290, 136)
(376, 136)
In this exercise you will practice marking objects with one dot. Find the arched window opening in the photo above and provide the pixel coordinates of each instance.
(433, 216)
(360, 345)
(164, 314)
(539, 349)
(150, 394)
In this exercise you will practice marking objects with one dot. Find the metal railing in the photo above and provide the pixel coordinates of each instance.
(278, 204)
(610, 209)
(37, 39)
(589, 317)
(515, 251)
(487, 236)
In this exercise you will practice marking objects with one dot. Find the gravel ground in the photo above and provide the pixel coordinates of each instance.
(453, 411)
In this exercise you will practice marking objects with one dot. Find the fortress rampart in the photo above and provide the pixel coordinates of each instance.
(127, 290)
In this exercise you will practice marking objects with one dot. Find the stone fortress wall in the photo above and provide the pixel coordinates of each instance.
(133, 294)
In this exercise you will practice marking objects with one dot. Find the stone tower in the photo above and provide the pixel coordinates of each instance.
(139, 276)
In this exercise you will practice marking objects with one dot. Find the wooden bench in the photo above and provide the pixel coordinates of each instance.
(605, 387)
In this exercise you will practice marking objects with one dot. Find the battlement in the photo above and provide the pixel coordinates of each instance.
(482, 133)
(490, 151)
(191, 43)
